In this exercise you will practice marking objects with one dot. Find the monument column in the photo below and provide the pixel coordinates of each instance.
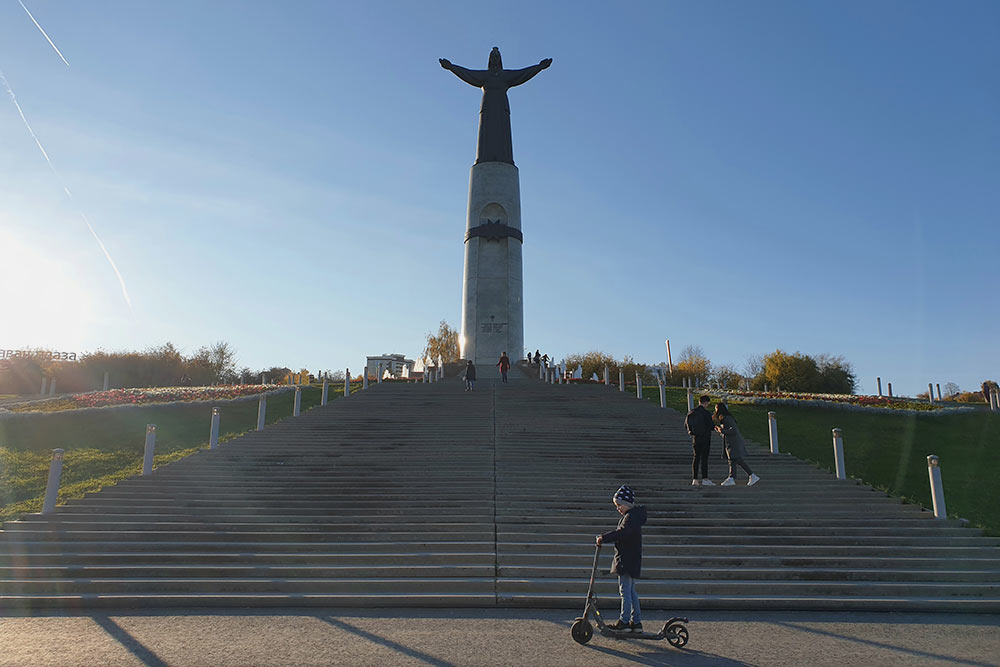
(492, 287)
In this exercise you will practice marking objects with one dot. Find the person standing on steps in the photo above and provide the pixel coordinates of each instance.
(538, 358)
(699, 426)
(470, 376)
(628, 557)
(736, 449)
(504, 365)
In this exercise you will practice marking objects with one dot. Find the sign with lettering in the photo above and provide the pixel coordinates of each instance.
(42, 355)
(493, 327)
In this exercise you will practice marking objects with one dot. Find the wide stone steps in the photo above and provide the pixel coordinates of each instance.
(425, 495)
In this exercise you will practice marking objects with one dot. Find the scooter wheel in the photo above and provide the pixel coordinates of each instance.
(677, 635)
(582, 631)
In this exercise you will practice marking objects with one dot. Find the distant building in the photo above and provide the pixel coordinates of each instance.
(394, 363)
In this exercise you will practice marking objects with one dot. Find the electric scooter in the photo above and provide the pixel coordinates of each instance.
(674, 630)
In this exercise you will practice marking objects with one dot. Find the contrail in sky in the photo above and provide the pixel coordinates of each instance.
(114, 267)
(41, 30)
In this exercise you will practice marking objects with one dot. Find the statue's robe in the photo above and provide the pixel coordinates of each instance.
(494, 113)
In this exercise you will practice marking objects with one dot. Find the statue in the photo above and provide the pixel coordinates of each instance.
(494, 114)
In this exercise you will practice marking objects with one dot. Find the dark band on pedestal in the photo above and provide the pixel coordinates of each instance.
(494, 231)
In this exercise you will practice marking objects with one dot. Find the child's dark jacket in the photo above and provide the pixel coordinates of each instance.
(628, 542)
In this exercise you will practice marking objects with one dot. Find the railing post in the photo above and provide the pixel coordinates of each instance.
(663, 395)
(995, 404)
(621, 380)
(938, 385)
(838, 453)
(937, 488)
(297, 403)
(930, 393)
(106, 379)
(638, 385)
(541, 370)
(607, 377)
(323, 395)
(52, 387)
(213, 434)
(45, 385)
(889, 385)
(690, 400)
(879, 381)
(772, 428)
(347, 382)
(52, 486)
(147, 453)
(261, 412)
(364, 379)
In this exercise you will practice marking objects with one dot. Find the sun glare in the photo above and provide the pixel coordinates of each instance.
(41, 303)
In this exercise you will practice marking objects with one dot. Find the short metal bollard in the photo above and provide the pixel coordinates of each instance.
(663, 395)
(937, 488)
(261, 412)
(147, 454)
(541, 371)
(690, 400)
(838, 453)
(772, 429)
(323, 395)
(364, 379)
(213, 434)
(347, 382)
(52, 387)
(930, 393)
(106, 378)
(297, 403)
(638, 385)
(621, 380)
(45, 384)
(52, 486)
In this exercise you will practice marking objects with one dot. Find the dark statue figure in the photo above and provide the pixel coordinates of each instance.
(494, 114)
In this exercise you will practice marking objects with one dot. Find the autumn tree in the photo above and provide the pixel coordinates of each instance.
(444, 343)
(692, 365)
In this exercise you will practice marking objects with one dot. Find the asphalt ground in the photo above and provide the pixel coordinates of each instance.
(487, 637)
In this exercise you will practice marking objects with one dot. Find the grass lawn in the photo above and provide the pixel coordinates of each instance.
(887, 451)
(104, 447)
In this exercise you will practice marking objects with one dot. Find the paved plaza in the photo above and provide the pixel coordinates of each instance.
(488, 637)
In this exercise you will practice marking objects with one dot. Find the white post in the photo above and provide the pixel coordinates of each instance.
(621, 380)
(663, 395)
(670, 361)
(772, 429)
(52, 387)
(607, 377)
(690, 400)
(213, 434)
(364, 379)
(930, 393)
(378, 372)
(347, 382)
(261, 412)
(52, 487)
(541, 370)
(937, 488)
(838, 453)
(638, 385)
(106, 378)
(890, 389)
(995, 404)
(147, 453)
(45, 385)
(938, 385)
(297, 403)
(879, 381)
(323, 395)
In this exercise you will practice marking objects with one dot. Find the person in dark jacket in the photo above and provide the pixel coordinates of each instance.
(736, 449)
(627, 564)
(470, 376)
(699, 426)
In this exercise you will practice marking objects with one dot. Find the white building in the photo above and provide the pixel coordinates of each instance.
(393, 363)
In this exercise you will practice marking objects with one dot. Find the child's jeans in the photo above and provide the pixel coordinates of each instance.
(630, 600)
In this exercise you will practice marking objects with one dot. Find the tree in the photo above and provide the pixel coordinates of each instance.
(836, 375)
(791, 372)
(593, 362)
(444, 343)
(951, 390)
(693, 365)
(727, 377)
(753, 369)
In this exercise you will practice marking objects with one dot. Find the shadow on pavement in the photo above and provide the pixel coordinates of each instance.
(133, 645)
(364, 634)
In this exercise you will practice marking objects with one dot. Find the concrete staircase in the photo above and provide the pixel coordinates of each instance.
(426, 495)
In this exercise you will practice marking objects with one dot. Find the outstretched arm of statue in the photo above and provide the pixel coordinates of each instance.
(516, 77)
(472, 77)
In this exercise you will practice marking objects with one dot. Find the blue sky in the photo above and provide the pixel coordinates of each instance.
(292, 178)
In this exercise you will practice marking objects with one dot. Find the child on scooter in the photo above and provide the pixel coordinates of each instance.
(627, 539)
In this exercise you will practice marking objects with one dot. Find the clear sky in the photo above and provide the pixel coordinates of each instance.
(292, 178)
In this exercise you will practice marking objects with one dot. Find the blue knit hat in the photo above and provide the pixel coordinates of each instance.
(624, 496)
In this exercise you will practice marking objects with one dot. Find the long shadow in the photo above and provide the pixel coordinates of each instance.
(665, 659)
(133, 645)
(891, 647)
(405, 650)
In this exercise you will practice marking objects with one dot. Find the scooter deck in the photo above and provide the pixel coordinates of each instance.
(630, 635)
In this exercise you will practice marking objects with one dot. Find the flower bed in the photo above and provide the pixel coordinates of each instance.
(146, 396)
(845, 401)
